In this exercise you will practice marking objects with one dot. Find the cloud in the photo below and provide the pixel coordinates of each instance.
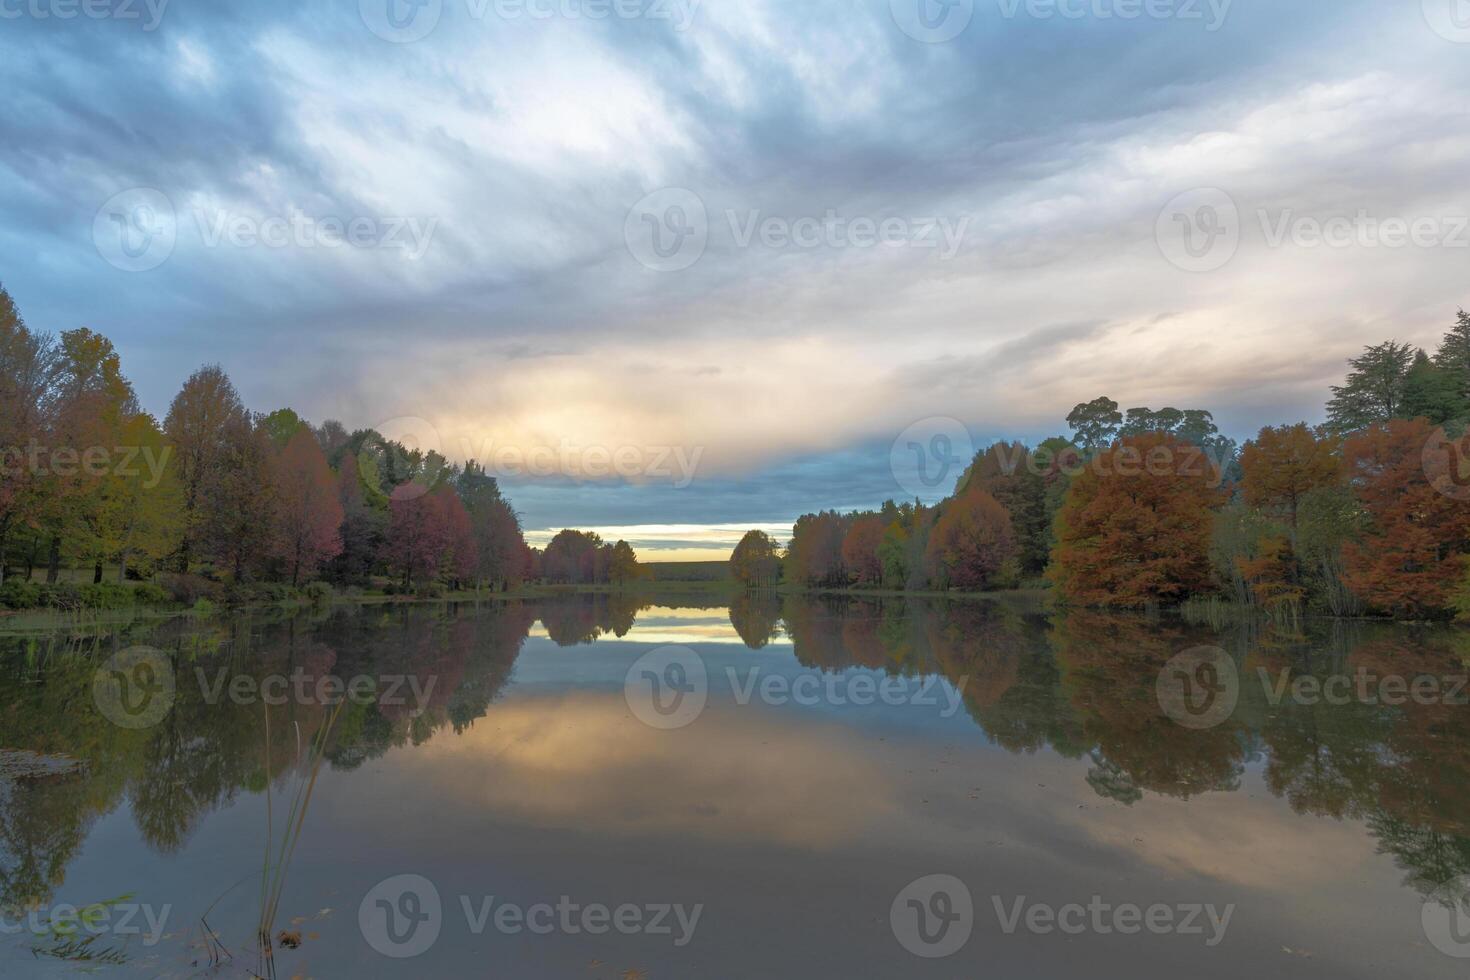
(519, 145)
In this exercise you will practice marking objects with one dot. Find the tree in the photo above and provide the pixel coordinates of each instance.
(308, 511)
(363, 526)
(417, 537)
(756, 561)
(1432, 393)
(860, 550)
(1130, 532)
(1412, 554)
(572, 558)
(1374, 390)
(235, 504)
(624, 567)
(500, 544)
(1454, 355)
(142, 520)
(1011, 475)
(1285, 464)
(28, 366)
(971, 542)
(204, 411)
(1095, 424)
(815, 554)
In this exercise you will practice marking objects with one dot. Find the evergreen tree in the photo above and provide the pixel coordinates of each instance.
(1374, 390)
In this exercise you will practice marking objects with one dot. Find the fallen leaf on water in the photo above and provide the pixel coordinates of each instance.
(634, 975)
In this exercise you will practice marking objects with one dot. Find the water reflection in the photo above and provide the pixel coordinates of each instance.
(1078, 687)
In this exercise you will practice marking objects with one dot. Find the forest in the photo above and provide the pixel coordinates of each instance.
(1367, 514)
(218, 502)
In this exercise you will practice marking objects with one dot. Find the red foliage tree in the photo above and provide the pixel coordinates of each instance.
(970, 542)
(1413, 553)
(1137, 523)
(308, 513)
(860, 550)
(418, 537)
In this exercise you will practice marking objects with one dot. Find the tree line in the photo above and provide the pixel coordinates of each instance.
(1368, 513)
(217, 492)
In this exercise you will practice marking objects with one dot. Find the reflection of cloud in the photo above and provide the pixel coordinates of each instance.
(659, 625)
(584, 758)
(1235, 839)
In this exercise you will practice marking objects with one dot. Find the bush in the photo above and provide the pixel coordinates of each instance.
(189, 589)
(102, 595)
(20, 595)
(319, 593)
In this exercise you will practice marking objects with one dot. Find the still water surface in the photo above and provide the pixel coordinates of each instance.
(541, 789)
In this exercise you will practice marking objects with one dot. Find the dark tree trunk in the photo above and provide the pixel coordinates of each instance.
(53, 565)
(97, 574)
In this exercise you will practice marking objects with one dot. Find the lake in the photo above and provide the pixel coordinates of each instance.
(595, 787)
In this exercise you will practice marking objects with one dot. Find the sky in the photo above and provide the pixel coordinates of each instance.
(678, 268)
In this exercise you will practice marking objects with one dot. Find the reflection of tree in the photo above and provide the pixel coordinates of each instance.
(1110, 782)
(755, 616)
(1082, 684)
(580, 619)
(1112, 665)
(203, 754)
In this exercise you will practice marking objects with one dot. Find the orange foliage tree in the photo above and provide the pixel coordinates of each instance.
(1136, 525)
(1412, 554)
(970, 542)
(308, 511)
(860, 550)
(1283, 465)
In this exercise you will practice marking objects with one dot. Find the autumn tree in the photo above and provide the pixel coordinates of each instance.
(860, 550)
(1412, 552)
(1282, 465)
(815, 554)
(572, 558)
(500, 544)
(235, 506)
(417, 537)
(1136, 525)
(28, 365)
(756, 561)
(200, 421)
(142, 517)
(308, 512)
(971, 542)
(624, 567)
